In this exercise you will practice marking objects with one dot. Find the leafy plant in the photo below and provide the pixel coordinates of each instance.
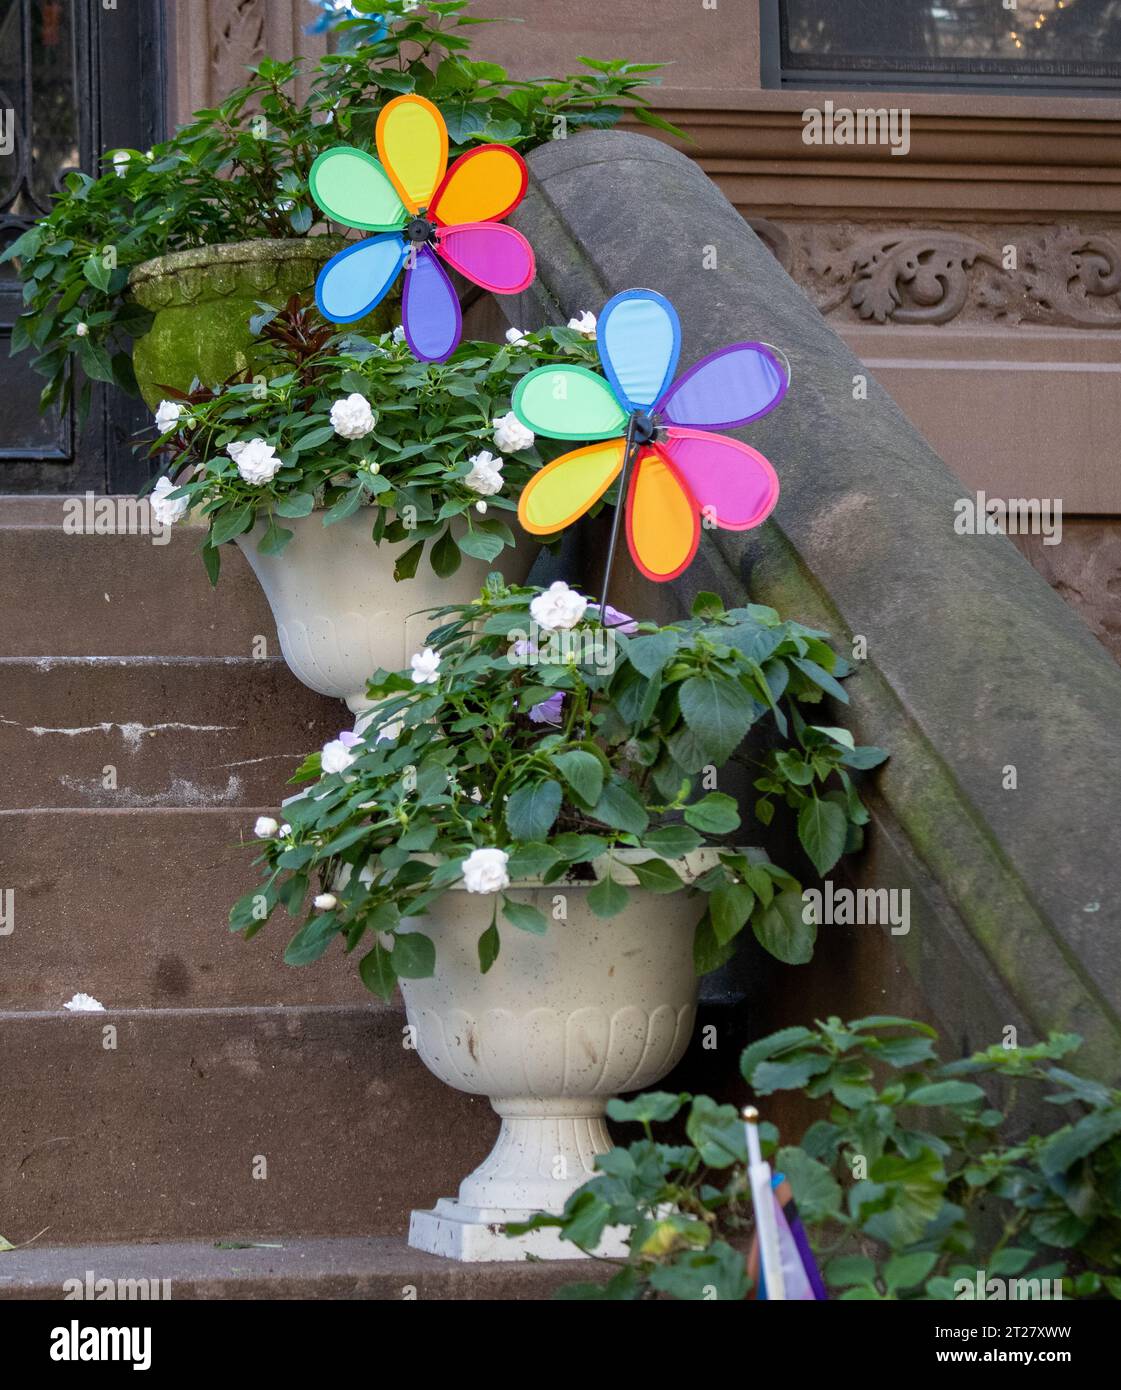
(239, 171)
(409, 469)
(531, 730)
(911, 1183)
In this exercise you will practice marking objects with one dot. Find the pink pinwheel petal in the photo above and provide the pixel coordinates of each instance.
(734, 481)
(494, 256)
(430, 310)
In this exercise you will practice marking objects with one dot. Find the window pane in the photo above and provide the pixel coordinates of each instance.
(1077, 40)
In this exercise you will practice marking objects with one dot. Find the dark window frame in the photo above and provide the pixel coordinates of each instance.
(896, 79)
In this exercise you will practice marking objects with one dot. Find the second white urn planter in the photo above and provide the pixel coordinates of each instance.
(591, 1009)
(339, 612)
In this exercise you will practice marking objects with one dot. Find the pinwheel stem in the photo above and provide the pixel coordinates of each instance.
(624, 475)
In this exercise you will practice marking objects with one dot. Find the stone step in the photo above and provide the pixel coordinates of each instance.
(373, 1267)
(135, 732)
(120, 595)
(131, 906)
(224, 1124)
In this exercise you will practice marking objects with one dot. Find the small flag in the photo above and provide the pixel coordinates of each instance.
(781, 1262)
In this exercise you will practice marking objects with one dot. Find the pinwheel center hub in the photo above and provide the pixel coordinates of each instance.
(644, 427)
(419, 230)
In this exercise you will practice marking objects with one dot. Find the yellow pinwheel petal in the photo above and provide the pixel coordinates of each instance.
(564, 489)
(412, 142)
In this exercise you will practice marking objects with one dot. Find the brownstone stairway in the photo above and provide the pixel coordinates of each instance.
(223, 1098)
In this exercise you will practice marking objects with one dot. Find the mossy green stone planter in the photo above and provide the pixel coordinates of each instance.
(203, 300)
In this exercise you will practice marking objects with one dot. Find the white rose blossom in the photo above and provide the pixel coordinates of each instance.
(516, 337)
(486, 474)
(167, 415)
(426, 667)
(265, 828)
(335, 756)
(510, 435)
(325, 901)
(585, 323)
(121, 158)
(167, 513)
(256, 461)
(558, 607)
(484, 871)
(399, 334)
(352, 417)
(82, 330)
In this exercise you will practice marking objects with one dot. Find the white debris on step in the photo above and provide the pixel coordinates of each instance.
(84, 1004)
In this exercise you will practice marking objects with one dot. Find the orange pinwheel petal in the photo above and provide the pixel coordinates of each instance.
(412, 142)
(663, 525)
(564, 490)
(482, 185)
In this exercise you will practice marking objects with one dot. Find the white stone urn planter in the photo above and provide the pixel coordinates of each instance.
(339, 612)
(561, 1022)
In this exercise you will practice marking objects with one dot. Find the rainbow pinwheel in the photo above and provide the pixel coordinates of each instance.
(422, 214)
(680, 470)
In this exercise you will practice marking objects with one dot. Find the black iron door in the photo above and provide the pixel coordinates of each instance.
(77, 77)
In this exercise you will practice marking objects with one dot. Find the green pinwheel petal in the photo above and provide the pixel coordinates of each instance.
(568, 402)
(352, 188)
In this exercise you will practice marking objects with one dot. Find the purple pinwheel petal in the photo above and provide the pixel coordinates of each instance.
(430, 310)
(728, 388)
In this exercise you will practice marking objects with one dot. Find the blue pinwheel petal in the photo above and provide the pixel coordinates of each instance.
(357, 279)
(639, 339)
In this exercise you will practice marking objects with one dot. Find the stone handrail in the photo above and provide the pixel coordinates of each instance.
(974, 665)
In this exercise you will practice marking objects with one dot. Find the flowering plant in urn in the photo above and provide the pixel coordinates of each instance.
(534, 739)
(339, 425)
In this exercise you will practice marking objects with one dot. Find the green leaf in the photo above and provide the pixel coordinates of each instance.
(782, 929)
(718, 710)
(816, 1191)
(730, 907)
(822, 828)
(717, 1133)
(787, 1073)
(650, 654)
(718, 1273)
(619, 806)
(446, 556)
(526, 917)
(847, 1270)
(820, 677)
(944, 1093)
(905, 1271)
(532, 809)
(673, 841)
(488, 948)
(296, 504)
(414, 955)
(378, 975)
(97, 272)
(582, 771)
(657, 876)
(531, 860)
(312, 940)
(715, 814)
(652, 1107)
(1062, 1150)
(275, 538)
(607, 898)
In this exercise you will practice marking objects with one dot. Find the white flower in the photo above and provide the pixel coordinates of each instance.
(82, 330)
(84, 1004)
(256, 461)
(167, 513)
(476, 795)
(399, 334)
(558, 607)
(265, 828)
(484, 871)
(120, 159)
(486, 474)
(335, 756)
(326, 901)
(481, 507)
(352, 417)
(510, 435)
(516, 338)
(426, 665)
(285, 830)
(168, 415)
(584, 323)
